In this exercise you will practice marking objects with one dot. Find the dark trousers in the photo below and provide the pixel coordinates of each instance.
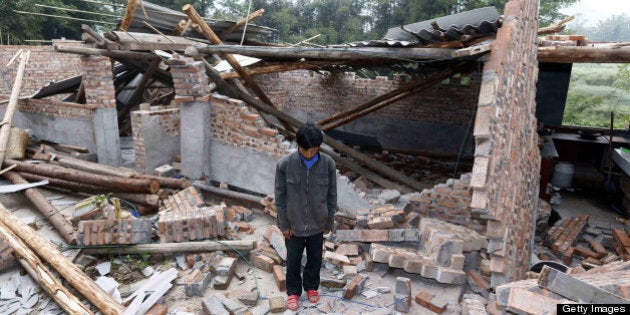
(295, 247)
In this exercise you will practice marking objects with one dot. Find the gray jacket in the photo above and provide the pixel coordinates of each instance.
(305, 200)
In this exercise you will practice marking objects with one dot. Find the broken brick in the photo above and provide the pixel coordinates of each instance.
(262, 262)
(279, 277)
(427, 300)
(353, 287)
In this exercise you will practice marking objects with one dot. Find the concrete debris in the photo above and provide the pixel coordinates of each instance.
(277, 304)
(104, 268)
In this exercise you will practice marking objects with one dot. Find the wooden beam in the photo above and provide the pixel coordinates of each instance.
(40, 273)
(556, 27)
(210, 35)
(291, 66)
(368, 53)
(110, 182)
(61, 224)
(13, 101)
(390, 98)
(135, 55)
(242, 22)
(146, 41)
(266, 108)
(173, 248)
(584, 54)
(75, 276)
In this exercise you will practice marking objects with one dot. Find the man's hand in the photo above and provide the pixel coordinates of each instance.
(287, 234)
(326, 232)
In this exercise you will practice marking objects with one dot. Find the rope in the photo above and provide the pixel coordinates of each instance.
(249, 8)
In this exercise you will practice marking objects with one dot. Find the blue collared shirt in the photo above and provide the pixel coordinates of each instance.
(309, 163)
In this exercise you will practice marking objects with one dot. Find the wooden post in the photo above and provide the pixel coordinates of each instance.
(40, 273)
(61, 224)
(173, 248)
(139, 185)
(213, 38)
(75, 276)
(242, 22)
(13, 100)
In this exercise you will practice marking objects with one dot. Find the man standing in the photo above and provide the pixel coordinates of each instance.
(306, 199)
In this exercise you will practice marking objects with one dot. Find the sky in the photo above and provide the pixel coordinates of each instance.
(592, 11)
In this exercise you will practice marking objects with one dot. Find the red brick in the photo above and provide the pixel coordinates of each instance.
(262, 262)
(425, 299)
(352, 287)
(585, 252)
(279, 276)
(157, 309)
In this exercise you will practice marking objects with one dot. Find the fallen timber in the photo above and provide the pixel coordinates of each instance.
(40, 273)
(75, 276)
(295, 53)
(113, 183)
(61, 224)
(173, 248)
(142, 199)
(337, 145)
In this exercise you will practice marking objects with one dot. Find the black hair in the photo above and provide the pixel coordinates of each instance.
(309, 136)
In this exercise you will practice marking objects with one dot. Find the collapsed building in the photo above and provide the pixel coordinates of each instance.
(466, 88)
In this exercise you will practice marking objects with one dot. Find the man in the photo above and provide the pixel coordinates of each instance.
(306, 199)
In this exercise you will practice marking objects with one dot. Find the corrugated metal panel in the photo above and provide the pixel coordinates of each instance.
(477, 23)
(165, 20)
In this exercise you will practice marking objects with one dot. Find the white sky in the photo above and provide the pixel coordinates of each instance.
(592, 11)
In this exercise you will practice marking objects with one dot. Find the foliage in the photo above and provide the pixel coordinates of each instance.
(596, 90)
(613, 29)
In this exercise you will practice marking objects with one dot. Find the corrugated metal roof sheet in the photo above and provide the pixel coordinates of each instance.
(478, 22)
(474, 23)
(165, 20)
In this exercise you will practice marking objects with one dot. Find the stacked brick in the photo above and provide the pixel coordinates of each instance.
(563, 235)
(235, 124)
(450, 202)
(189, 80)
(169, 129)
(622, 243)
(528, 296)
(507, 158)
(185, 217)
(114, 232)
(442, 256)
(98, 82)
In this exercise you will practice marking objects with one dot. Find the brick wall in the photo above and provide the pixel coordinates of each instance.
(235, 124)
(507, 158)
(450, 102)
(155, 137)
(55, 109)
(44, 66)
(98, 81)
(449, 202)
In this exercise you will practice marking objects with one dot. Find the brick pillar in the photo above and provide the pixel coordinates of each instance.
(99, 91)
(192, 95)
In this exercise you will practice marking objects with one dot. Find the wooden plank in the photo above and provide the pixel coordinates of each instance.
(145, 41)
(584, 54)
(576, 290)
(13, 101)
(295, 53)
(172, 248)
(75, 276)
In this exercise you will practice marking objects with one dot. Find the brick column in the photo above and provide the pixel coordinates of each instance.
(192, 95)
(99, 91)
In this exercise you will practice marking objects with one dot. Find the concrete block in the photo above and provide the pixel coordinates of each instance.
(165, 170)
(349, 235)
(411, 235)
(196, 286)
(350, 271)
(233, 307)
(277, 304)
(381, 223)
(248, 298)
(275, 237)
